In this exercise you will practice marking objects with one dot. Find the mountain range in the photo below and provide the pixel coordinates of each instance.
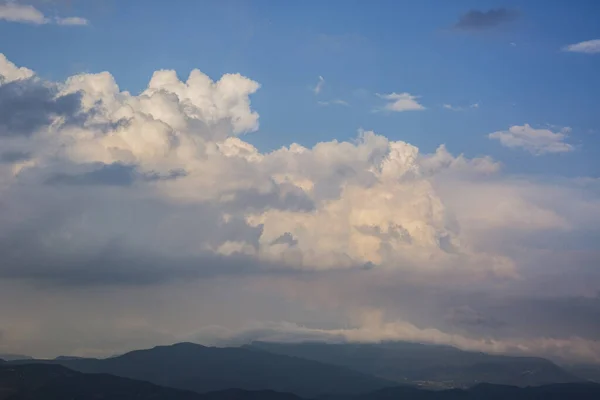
(54, 382)
(311, 370)
(203, 369)
(425, 365)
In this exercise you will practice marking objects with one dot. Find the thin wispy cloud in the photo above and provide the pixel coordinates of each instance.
(475, 20)
(28, 14)
(587, 47)
(73, 21)
(399, 102)
(460, 108)
(319, 86)
(334, 102)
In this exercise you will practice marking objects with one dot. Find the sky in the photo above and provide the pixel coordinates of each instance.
(229, 171)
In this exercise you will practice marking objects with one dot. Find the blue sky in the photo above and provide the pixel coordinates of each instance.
(360, 48)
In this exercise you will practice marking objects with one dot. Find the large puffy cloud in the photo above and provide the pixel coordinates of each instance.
(133, 194)
(370, 202)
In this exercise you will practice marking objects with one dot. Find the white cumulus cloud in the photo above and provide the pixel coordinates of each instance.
(343, 204)
(535, 141)
(399, 102)
(589, 47)
(22, 13)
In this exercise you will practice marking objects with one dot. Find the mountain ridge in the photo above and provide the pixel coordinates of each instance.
(425, 365)
(204, 369)
(47, 381)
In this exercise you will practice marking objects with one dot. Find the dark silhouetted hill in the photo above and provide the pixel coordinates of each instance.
(486, 391)
(21, 381)
(13, 357)
(589, 372)
(430, 366)
(55, 382)
(204, 369)
(66, 358)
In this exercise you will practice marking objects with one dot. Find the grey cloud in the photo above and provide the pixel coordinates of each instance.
(114, 263)
(84, 234)
(330, 186)
(173, 174)
(445, 243)
(108, 174)
(480, 20)
(469, 317)
(270, 332)
(394, 232)
(281, 196)
(236, 229)
(10, 157)
(493, 312)
(28, 105)
(286, 238)
(115, 174)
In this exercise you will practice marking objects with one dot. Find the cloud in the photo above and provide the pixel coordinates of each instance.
(334, 102)
(375, 329)
(14, 12)
(399, 102)
(459, 108)
(135, 209)
(27, 105)
(9, 72)
(287, 238)
(319, 86)
(13, 156)
(588, 47)
(94, 139)
(317, 90)
(480, 20)
(112, 174)
(27, 14)
(73, 21)
(466, 315)
(535, 141)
